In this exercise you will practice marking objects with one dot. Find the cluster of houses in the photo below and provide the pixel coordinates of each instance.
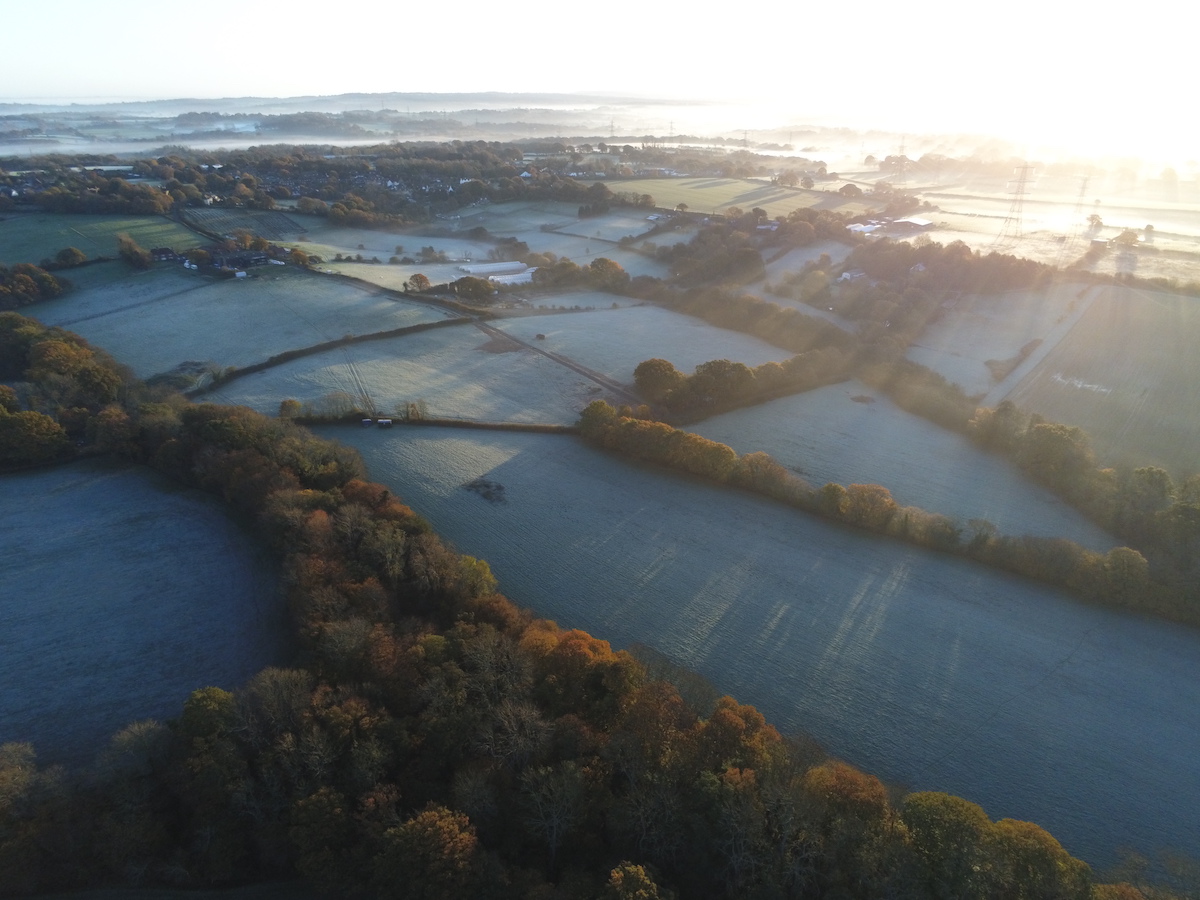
(907, 225)
(236, 261)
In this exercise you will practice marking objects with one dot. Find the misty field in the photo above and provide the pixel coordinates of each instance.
(1127, 374)
(457, 372)
(32, 237)
(852, 434)
(979, 328)
(119, 596)
(715, 195)
(234, 322)
(795, 259)
(924, 669)
(614, 341)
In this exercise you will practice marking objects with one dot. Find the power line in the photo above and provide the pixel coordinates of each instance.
(1010, 231)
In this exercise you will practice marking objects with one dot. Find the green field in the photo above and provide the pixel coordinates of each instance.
(1127, 375)
(32, 237)
(715, 195)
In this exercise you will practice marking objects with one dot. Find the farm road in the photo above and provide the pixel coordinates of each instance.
(1052, 340)
(603, 380)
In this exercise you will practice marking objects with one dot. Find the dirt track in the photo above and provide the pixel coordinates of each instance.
(603, 380)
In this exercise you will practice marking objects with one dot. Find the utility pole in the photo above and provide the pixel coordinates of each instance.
(1010, 231)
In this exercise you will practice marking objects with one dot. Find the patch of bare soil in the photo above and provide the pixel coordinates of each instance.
(500, 345)
(491, 491)
(1002, 368)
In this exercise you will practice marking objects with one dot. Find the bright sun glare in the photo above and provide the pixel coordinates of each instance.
(1048, 76)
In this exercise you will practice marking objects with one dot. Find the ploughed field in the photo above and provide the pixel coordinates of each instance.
(920, 667)
(119, 596)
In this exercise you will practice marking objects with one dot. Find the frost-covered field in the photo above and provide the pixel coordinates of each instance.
(507, 219)
(922, 668)
(129, 290)
(614, 341)
(459, 372)
(325, 240)
(394, 277)
(237, 322)
(614, 225)
(794, 260)
(581, 299)
(582, 250)
(119, 596)
(825, 435)
(992, 326)
(1127, 374)
(817, 312)
(715, 195)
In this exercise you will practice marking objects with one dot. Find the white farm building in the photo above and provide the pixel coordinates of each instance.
(487, 270)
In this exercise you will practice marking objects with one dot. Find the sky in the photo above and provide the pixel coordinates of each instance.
(1047, 72)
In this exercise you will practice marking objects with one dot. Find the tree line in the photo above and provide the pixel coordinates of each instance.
(58, 384)
(24, 283)
(431, 739)
(1143, 505)
(1121, 577)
